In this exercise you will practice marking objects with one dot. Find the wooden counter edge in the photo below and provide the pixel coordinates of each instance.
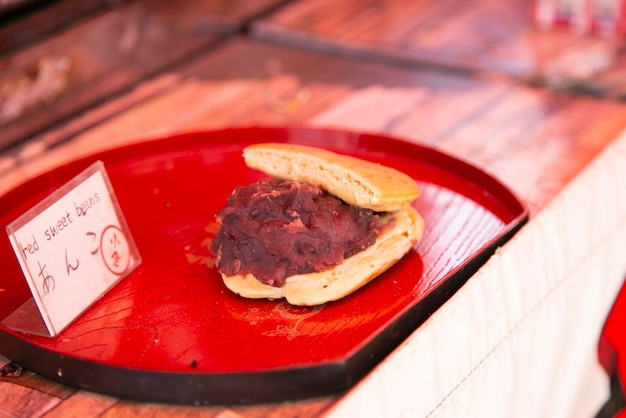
(520, 338)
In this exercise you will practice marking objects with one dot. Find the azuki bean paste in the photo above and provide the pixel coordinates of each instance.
(275, 229)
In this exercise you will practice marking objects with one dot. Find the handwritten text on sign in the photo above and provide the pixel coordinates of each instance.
(73, 247)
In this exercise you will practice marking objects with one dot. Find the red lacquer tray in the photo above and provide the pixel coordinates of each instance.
(172, 332)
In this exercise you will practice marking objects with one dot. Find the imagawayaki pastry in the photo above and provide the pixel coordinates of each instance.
(321, 227)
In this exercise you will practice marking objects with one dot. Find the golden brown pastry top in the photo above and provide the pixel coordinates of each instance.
(359, 182)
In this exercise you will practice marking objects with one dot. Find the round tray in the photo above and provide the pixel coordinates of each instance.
(172, 332)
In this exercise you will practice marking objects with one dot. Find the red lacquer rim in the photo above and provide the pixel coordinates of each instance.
(169, 189)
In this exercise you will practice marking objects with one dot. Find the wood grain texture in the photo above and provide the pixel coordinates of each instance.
(250, 83)
(21, 401)
(43, 385)
(75, 405)
(36, 19)
(474, 36)
(88, 63)
(39, 144)
(565, 139)
(92, 59)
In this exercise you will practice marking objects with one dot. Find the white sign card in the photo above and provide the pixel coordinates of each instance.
(73, 247)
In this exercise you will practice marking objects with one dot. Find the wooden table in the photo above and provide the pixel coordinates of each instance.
(483, 36)
(520, 338)
(102, 55)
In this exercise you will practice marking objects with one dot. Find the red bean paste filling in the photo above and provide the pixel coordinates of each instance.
(275, 229)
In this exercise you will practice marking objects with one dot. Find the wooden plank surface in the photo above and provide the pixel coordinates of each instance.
(534, 140)
(94, 58)
(473, 36)
(252, 83)
(30, 20)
